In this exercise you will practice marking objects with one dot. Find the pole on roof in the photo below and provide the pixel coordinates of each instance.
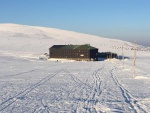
(123, 56)
(134, 62)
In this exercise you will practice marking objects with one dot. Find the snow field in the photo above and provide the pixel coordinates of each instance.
(51, 86)
(31, 85)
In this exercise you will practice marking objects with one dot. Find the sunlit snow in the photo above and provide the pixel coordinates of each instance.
(31, 84)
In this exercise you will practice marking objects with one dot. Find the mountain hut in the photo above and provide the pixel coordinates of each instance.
(74, 52)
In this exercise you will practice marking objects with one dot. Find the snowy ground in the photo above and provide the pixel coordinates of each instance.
(30, 85)
(50, 86)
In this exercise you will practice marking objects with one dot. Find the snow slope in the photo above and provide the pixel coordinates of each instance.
(31, 85)
(21, 38)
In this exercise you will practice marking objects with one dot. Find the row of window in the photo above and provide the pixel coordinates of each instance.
(85, 51)
(76, 54)
(71, 56)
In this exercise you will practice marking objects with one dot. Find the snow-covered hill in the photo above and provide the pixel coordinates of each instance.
(30, 85)
(31, 39)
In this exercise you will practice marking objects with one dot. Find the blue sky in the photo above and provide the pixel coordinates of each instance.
(120, 19)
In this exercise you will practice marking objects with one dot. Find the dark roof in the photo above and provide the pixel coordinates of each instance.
(73, 47)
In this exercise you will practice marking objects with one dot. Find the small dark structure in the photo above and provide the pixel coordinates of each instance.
(74, 52)
(106, 55)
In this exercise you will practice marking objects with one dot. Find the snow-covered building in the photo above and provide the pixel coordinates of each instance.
(74, 52)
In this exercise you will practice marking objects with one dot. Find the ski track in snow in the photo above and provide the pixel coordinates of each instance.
(127, 96)
(25, 72)
(99, 89)
(11, 100)
(23, 93)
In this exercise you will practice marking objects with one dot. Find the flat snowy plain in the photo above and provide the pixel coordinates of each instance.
(31, 85)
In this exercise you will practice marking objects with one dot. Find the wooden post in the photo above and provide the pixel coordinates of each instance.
(134, 62)
(123, 56)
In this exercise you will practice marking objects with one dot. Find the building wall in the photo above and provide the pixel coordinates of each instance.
(107, 55)
(77, 54)
(93, 54)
